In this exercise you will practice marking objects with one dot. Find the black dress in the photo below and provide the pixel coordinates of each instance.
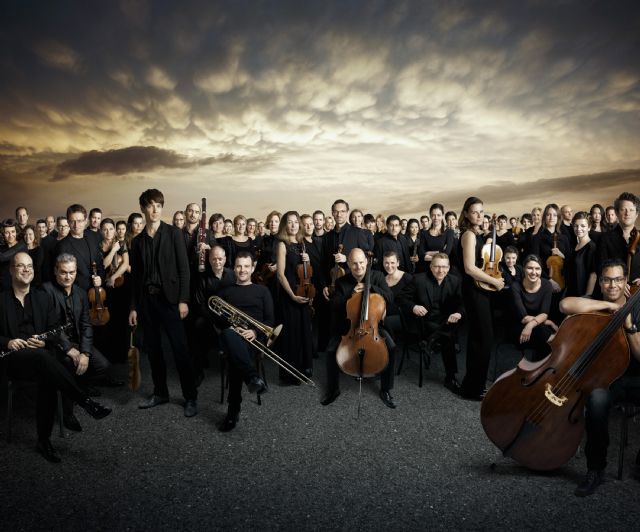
(578, 269)
(295, 341)
(531, 304)
(444, 243)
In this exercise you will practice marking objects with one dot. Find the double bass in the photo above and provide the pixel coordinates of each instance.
(534, 413)
(491, 257)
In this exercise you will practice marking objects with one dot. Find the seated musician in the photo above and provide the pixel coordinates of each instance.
(436, 298)
(613, 282)
(254, 300)
(25, 313)
(346, 286)
(78, 353)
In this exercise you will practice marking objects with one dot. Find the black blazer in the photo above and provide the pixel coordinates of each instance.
(350, 237)
(420, 292)
(83, 277)
(45, 317)
(172, 262)
(344, 291)
(80, 308)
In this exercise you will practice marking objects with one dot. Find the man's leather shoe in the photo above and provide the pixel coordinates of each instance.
(71, 422)
(190, 408)
(589, 483)
(45, 448)
(257, 385)
(229, 422)
(452, 384)
(330, 397)
(152, 401)
(95, 410)
(387, 399)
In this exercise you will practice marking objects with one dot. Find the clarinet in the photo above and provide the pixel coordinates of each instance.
(202, 235)
(43, 336)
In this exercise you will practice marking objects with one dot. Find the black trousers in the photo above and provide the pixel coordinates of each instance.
(333, 370)
(41, 365)
(626, 388)
(446, 341)
(241, 366)
(157, 315)
(478, 304)
(98, 368)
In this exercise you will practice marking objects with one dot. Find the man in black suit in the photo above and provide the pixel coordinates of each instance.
(78, 354)
(435, 298)
(160, 293)
(392, 240)
(24, 314)
(351, 283)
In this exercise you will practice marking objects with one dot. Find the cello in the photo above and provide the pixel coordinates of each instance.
(534, 413)
(491, 257)
(362, 351)
(555, 264)
(98, 313)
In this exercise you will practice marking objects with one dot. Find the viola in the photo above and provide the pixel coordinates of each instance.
(555, 265)
(98, 313)
(362, 351)
(115, 264)
(262, 274)
(304, 271)
(491, 257)
(336, 272)
(534, 413)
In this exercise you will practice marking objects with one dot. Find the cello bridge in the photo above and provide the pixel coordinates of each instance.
(553, 398)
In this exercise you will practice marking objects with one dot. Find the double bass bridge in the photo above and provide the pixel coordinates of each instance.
(553, 398)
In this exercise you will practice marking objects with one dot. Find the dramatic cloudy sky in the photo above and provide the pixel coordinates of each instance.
(290, 104)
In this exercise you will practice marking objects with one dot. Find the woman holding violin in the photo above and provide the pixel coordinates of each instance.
(293, 306)
(478, 301)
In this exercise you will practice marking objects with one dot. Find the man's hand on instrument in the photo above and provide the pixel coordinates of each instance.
(82, 364)
(627, 287)
(325, 292)
(17, 343)
(339, 257)
(35, 342)
(305, 257)
(419, 310)
(183, 309)
(358, 288)
(454, 318)
(133, 318)
(97, 282)
(247, 334)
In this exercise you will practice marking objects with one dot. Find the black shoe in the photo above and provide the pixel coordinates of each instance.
(71, 422)
(257, 385)
(95, 410)
(452, 384)
(591, 481)
(190, 408)
(45, 448)
(229, 422)
(387, 399)
(330, 397)
(110, 382)
(152, 401)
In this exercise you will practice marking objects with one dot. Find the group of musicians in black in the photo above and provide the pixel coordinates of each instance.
(431, 279)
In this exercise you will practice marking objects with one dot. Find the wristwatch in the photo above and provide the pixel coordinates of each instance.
(631, 330)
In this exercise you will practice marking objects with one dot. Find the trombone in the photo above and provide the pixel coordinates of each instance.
(242, 320)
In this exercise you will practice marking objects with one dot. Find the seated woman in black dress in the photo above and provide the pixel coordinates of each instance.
(396, 280)
(531, 300)
(581, 266)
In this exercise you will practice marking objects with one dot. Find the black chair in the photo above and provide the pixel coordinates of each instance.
(12, 387)
(628, 410)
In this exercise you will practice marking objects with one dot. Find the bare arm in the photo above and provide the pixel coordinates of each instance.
(469, 258)
(578, 305)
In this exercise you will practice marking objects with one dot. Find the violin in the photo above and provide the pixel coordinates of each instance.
(491, 257)
(98, 313)
(262, 274)
(555, 265)
(304, 272)
(115, 264)
(336, 272)
(534, 413)
(362, 351)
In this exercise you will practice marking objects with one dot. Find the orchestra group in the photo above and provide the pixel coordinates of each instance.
(350, 286)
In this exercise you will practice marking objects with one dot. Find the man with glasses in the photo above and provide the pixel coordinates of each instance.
(613, 283)
(83, 247)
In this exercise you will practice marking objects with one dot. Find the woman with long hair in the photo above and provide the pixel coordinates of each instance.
(437, 239)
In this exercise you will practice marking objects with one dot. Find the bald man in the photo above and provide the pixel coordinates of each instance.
(352, 283)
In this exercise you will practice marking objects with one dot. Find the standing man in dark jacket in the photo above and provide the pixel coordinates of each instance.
(160, 293)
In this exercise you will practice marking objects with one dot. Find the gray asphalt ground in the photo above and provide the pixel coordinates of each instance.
(292, 464)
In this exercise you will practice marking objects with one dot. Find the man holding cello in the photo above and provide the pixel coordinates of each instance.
(613, 284)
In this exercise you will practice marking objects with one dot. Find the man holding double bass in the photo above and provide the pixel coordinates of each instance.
(613, 282)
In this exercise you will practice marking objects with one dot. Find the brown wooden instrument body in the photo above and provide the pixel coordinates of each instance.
(634, 240)
(336, 272)
(304, 272)
(555, 265)
(517, 413)
(98, 313)
(113, 268)
(491, 257)
(263, 274)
